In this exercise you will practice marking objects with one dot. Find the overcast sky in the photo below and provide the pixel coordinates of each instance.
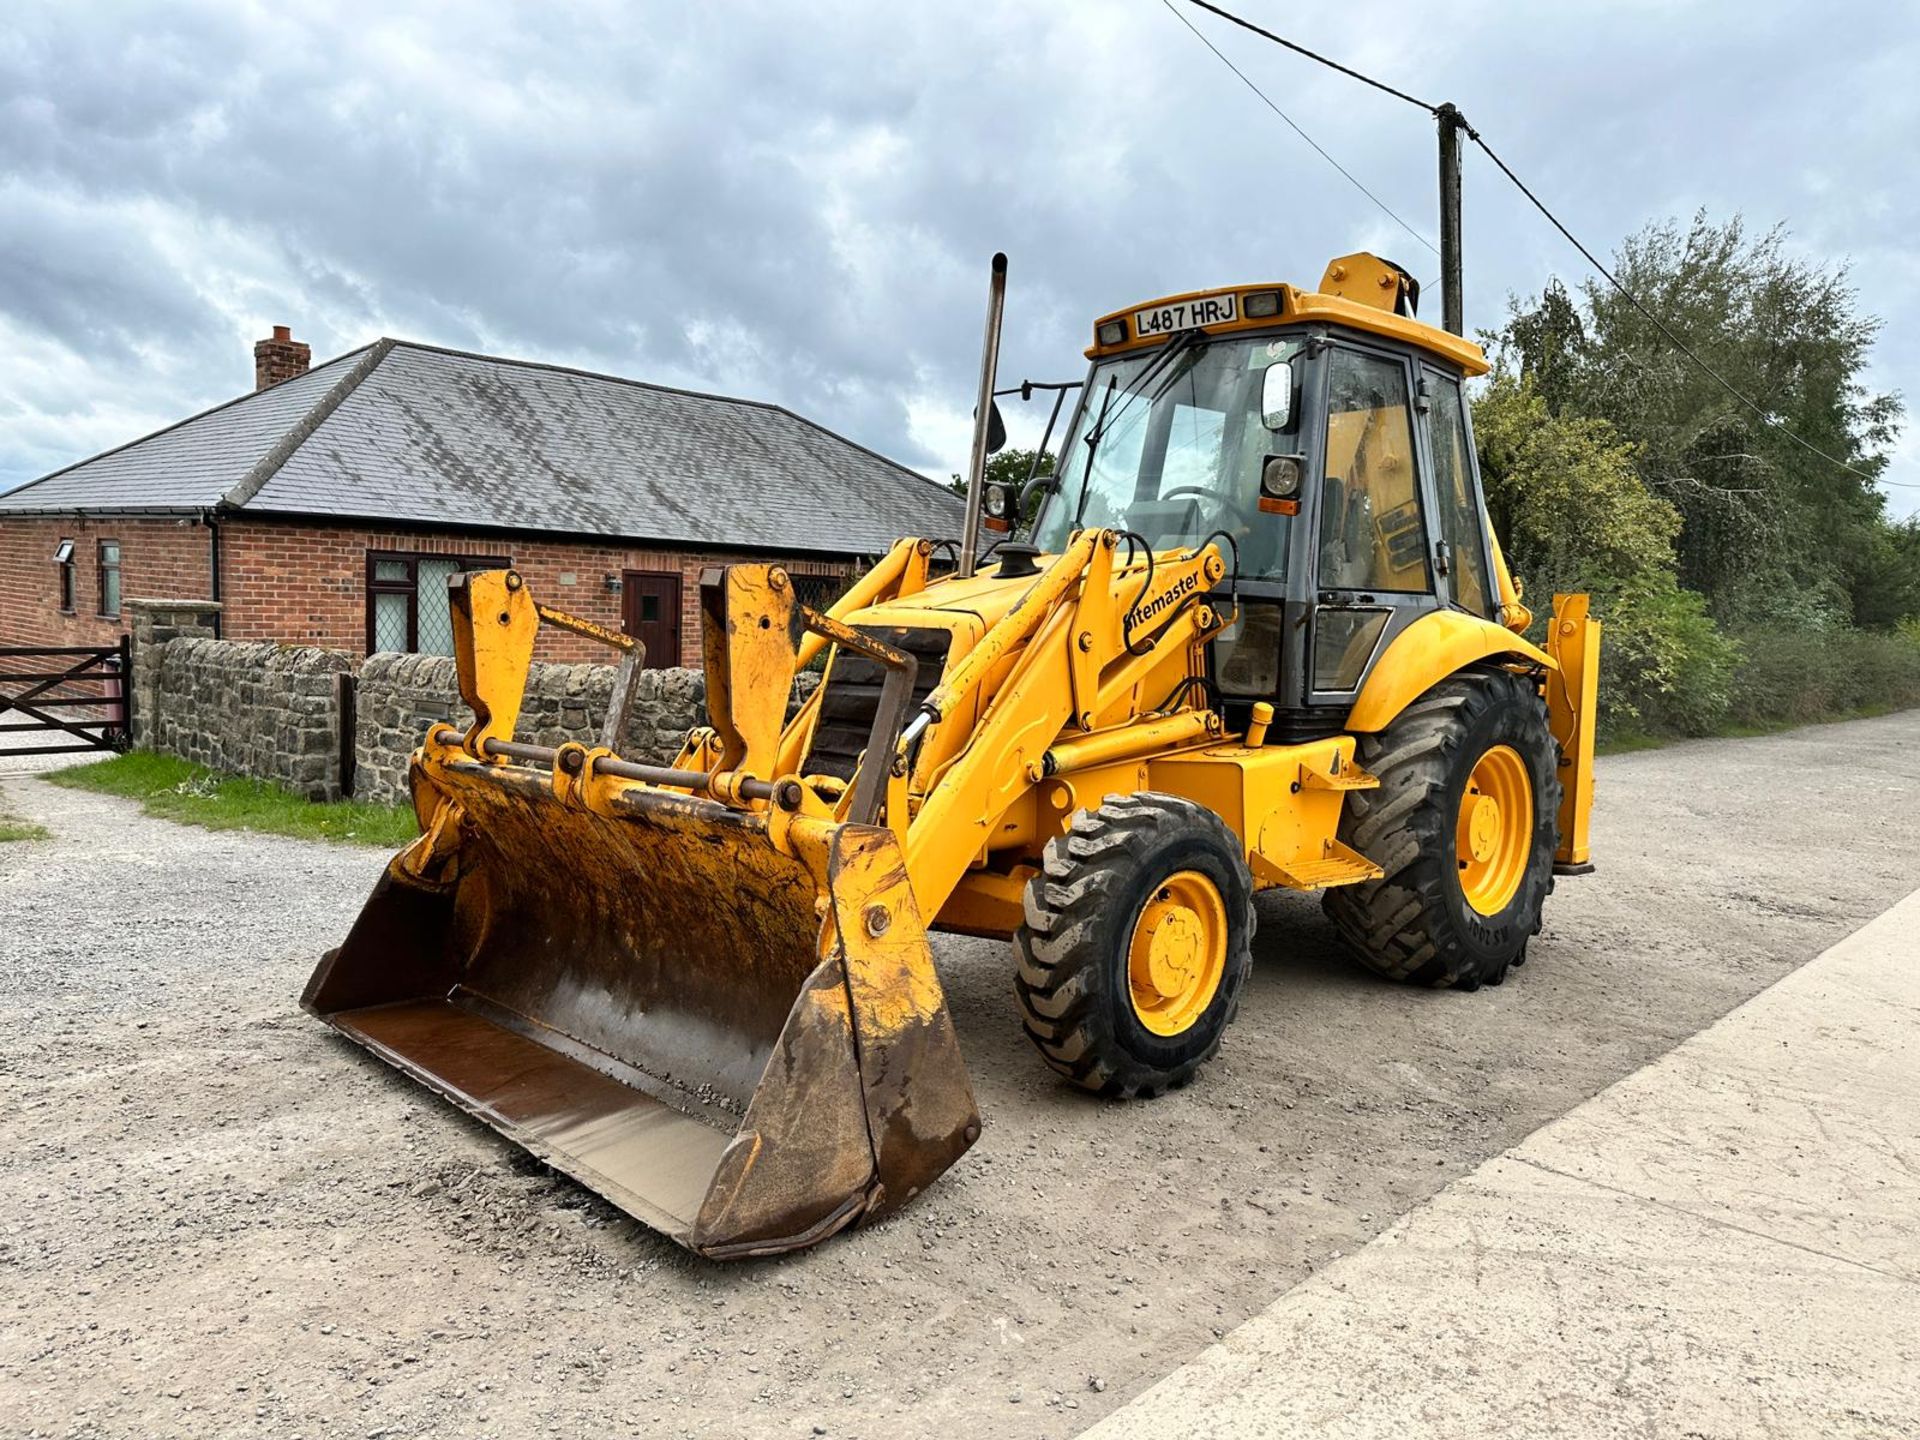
(797, 202)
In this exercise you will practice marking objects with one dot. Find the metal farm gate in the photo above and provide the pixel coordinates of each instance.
(56, 699)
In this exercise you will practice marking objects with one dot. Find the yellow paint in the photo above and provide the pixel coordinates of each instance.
(427, 855)
(891, 576)
(750, 649)
(1515, 616)
(1572, 700)
(890, 974)
(1177, 953)
(987, 902)
(494, 625)
(1283, 801)
(1365, 280)
(1427, 652)
(1301, 306)
(1493, 831)
(586, 629)
(1033, 609)
(1019, 675)
(1137, 740)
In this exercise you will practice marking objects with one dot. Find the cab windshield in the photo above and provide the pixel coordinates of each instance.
(1172, 448)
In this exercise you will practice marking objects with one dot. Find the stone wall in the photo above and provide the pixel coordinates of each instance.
(400, 696)
(156, 623)
(267, 711)
(279, 713)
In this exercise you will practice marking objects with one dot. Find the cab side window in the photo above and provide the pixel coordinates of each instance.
(1453, 482)
(1373, 536)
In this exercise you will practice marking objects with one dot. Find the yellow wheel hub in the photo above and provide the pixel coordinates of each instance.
(1494, 833)
(1178, 953)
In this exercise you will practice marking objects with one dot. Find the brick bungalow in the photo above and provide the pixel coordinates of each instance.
(329, 506)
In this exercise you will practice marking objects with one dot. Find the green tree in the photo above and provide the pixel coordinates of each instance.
(1886, 578)
(1564, 493)
(1009, 467)
(1769, 532)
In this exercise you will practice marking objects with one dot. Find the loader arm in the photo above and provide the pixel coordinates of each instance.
(1080, 642)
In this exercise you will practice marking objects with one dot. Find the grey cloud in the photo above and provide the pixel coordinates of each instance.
(797, 202)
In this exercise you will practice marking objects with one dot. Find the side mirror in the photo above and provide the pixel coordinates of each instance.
(996, 428)
(1276, 395)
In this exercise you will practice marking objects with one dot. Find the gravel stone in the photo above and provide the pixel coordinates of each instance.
(231, 1195)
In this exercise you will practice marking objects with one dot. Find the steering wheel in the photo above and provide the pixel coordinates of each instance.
(1197, 490)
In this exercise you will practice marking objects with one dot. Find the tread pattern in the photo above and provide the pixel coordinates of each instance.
(1401, 925)
(1071, 965)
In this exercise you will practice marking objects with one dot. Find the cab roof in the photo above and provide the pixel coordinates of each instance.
(1358, 292)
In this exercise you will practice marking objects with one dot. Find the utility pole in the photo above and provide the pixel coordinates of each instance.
(1454, 303)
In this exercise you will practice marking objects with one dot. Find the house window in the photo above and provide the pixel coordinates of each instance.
(110, 577)
(407, 607)
(63, 562)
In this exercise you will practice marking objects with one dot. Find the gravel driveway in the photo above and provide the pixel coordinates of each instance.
(217, 1218)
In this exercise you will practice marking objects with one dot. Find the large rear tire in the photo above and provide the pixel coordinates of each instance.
(1464, 824)
(1136, 944)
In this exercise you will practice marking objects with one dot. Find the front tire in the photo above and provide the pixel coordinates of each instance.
(1136, 944)
(1464, 824)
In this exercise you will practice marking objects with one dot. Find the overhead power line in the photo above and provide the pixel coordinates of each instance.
(1315, 55)
(1661, 325)
(1294, 125)
(1632, 299)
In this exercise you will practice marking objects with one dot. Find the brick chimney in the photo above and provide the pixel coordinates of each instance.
(280, 358)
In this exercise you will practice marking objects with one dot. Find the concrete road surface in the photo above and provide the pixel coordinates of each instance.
(1726, 1244)
(217, 1218)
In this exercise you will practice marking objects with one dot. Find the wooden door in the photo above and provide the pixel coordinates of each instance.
(650, 605)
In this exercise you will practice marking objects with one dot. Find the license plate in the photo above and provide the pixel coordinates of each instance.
(1184, 315)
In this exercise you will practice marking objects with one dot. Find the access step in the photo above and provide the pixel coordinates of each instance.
(1338, 864)
(1328, 772)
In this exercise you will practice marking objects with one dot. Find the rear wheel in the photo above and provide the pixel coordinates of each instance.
(1464, 824)
(1136, 944)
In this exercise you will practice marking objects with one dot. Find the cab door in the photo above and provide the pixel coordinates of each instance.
(1462, 555)
(1374, 550)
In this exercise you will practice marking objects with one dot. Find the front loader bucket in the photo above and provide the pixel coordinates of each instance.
(658, 1001)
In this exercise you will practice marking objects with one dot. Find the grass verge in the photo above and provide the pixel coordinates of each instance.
(173, 789)
(12, 827)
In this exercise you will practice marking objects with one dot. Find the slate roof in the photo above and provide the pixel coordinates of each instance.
(404, 432)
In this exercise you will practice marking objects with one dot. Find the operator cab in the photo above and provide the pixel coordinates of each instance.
(1322, 439)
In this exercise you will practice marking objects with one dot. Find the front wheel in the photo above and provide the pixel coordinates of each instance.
(1136, 943)
(1464, 824)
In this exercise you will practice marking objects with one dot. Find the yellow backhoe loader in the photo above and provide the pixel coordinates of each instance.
(1263, 636)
